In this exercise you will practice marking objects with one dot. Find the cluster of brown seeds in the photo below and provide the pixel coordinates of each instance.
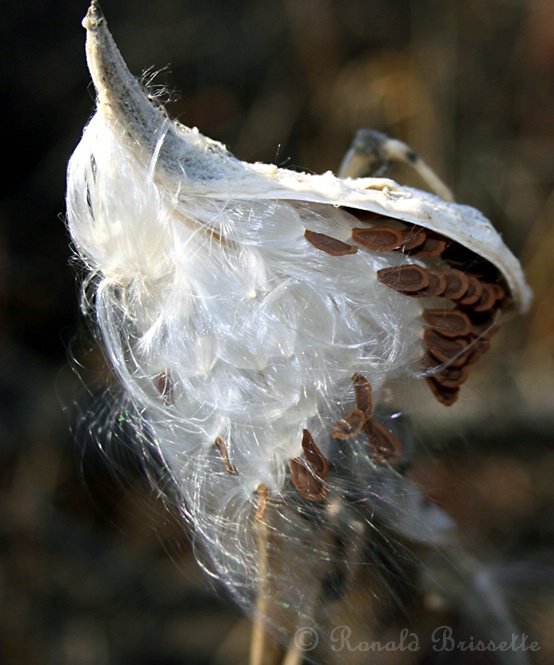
(308, 473)
(457, 334)
(385, 447)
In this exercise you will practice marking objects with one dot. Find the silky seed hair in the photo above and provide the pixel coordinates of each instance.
(255, 316)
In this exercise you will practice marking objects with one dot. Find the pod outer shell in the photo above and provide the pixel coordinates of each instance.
(460, 223)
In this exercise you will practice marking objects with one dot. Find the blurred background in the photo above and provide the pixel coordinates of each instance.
(93, 570)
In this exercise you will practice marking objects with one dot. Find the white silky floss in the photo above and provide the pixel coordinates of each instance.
(221, 320)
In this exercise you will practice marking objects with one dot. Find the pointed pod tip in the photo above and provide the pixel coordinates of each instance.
(94, 17)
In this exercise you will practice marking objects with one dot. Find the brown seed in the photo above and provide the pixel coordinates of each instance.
(378, 238)
(452, 377)
(306, 482)
(313, 454)
(445, 349)
(413, 237)
(385, 447)
(457, 284)
(406, 279)
(446, 396)
(487, 299)
(499, 292)
(222, 447)
(328, 244)
(473, 293)
(449, 376)
(448, 322)
(433, 245)
(262, 491)
(165, 387)
(436, 286)
(349, 426)
(362, 390)
(476, 349)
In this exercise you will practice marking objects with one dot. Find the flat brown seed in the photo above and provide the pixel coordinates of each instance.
(436, 286)
(328, 244)
(165, 387)
(446, 396)
(362, 390)
(457, 284)
(447, 376)
(476, 349)
(406, 279)
(448, 322)
(413, 237)
(499, 292)
(473, 293)
(305, 481)
(385, 447)
(451, 377)
(222, 447)
(433, 245)
(487, 299)
(313, 454)
(262, 491)
(378, 238)
(447, 350)
(349, 426)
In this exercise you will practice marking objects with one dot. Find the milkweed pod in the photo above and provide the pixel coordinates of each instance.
(254, 323)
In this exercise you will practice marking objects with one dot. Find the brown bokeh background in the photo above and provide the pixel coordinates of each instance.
(92, 570)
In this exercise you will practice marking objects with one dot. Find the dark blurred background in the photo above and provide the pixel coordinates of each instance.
(93, 571)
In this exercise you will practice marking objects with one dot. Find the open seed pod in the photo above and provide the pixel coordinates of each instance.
(254, 315)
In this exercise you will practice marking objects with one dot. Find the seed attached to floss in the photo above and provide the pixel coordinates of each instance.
(448, 350)
(448, 322)
(473, 293)
(222, 447)
(406, 279)
(378, 238)
(314, 456)
(306, 481)
(165, 387)
(362, 390)
(487, 299)
(385, 447)
(433, 245)
(447, 376)
(349, 426)
(457, 284)
(446, 396)
(262, 492)
(413, 237)
(328, 244)
(436, 286)
(307, 474)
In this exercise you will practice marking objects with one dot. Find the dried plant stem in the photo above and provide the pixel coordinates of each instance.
(293, 656)
(262, 649)
(372, 152)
